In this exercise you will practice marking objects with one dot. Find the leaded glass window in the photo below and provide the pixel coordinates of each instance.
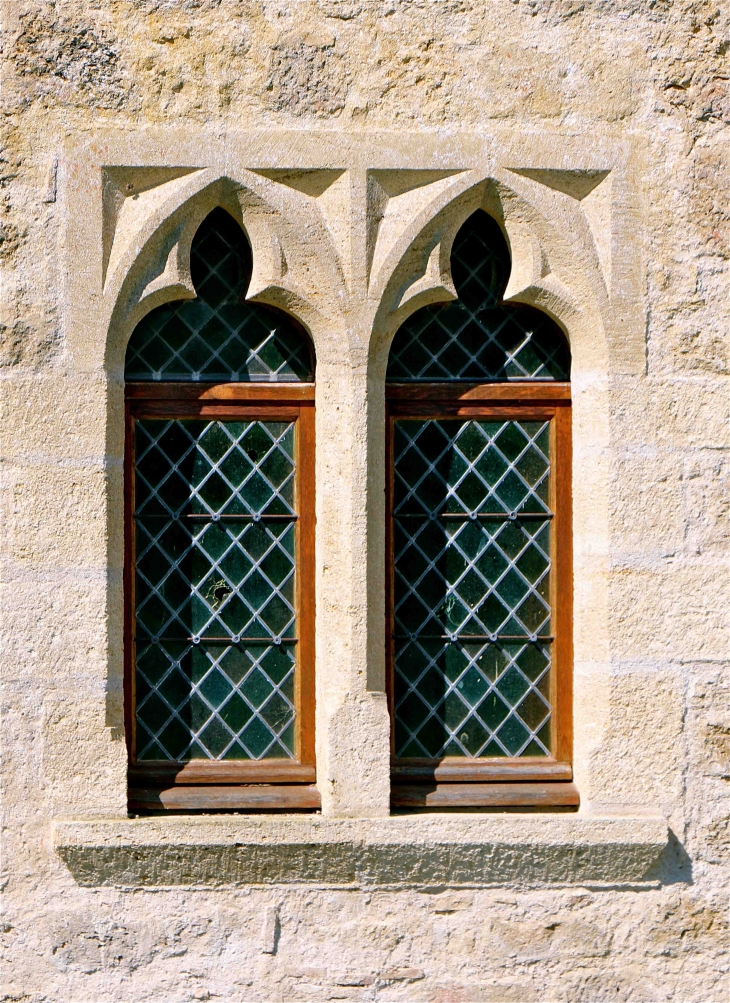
(220, 501)
(477, 337)
(215, 612)
(479, 532)
(218, 336)
(472, 588)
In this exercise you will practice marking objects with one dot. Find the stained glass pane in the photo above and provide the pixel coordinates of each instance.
(215, 618)
(478, 337)
(472, 588)
(219, 336)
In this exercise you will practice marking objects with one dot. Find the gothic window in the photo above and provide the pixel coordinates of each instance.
(220, 544)
(479, 539)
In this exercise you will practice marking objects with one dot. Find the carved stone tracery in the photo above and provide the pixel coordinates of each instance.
(357, 251)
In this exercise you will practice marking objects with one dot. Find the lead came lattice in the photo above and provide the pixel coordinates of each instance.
(218, 336)
(477, 337)
(472, 608)
(215, 619)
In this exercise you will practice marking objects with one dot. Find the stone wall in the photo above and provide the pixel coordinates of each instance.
(597, 132)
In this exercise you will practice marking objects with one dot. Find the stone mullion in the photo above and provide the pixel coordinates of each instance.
(353, 728)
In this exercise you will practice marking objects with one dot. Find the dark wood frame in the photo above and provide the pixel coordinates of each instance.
(452, 781)
(251, 785)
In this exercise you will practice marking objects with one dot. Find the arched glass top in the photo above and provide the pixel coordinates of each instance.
(219, 337)
(478, 338)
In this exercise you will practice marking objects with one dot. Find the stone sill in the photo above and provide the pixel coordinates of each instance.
(467, 850)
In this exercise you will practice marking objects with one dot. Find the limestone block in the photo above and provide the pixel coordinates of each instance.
(67, 634)
(670, 414)
(42, 497)
(648, 620)
(641, 757)
(41, 417)
(434, 850)
(647, 514)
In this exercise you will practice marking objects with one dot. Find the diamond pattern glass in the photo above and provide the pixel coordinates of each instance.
(478, 338)
(472, 628)
(219, 336)
(215, 619)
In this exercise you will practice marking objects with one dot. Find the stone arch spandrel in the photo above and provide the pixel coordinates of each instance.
(152, 265)
(555, 268)
(297, 265)
(417, 272)
(300, 266)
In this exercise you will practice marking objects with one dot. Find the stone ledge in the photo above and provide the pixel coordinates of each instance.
(465, 850)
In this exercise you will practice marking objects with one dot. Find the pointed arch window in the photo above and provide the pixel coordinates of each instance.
(479, 631)
(220, 541)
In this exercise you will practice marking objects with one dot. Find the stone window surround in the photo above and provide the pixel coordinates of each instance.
(379, 212)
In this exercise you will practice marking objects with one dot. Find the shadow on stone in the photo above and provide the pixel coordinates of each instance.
(674, 865)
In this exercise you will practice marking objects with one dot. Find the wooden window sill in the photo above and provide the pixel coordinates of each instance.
(227, 798)
(266, 785)
(550, 794)
(461, 770)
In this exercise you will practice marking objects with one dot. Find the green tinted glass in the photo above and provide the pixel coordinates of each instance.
(471, 541)
(219, 336)
(478, 337)
(214, 591)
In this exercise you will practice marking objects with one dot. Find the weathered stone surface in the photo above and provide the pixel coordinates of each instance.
(67, 61)
(639, 274)
(433, 850)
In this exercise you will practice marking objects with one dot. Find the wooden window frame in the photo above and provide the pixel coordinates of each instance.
(208, 785)
(454, 782)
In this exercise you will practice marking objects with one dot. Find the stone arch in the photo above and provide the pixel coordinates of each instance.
(551, 270)
(478, 337)
(219, 335)
(152, 265)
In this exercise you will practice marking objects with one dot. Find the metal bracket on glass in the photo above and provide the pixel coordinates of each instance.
(473, 516)
(253, 517)
(223, 517)
(460, 638)
(237, 639)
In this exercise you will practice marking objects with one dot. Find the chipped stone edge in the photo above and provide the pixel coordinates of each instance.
(467, 850)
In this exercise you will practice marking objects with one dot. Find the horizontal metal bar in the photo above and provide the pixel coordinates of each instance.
(494, 638)
(245, 640)
(216, 517)
(488, 516)
(256, 517)
(236, 639)
(470, 379)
